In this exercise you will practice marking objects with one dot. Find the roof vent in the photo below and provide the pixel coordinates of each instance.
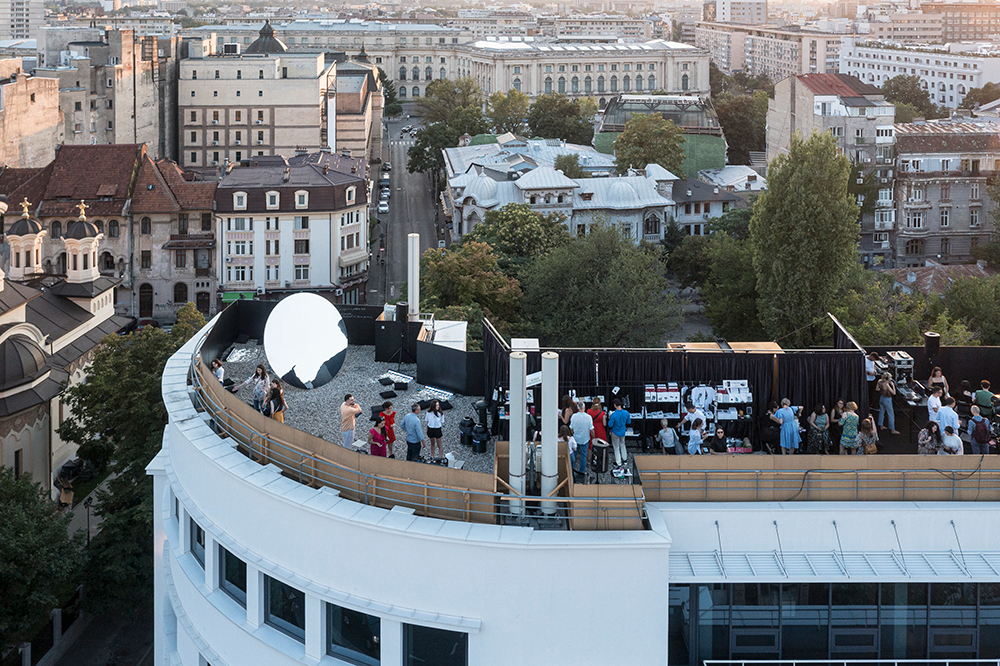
(288, 174)
(911, 276)
(716, 190)
(689, 193)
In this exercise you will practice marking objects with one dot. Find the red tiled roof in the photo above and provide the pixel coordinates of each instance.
(101, 175)
(838, 84)
(190, 194)
(938, 278)
(152, 194)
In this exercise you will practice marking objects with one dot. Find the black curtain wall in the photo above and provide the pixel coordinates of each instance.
(578, 369)
(714, 367)
(496, 357)
(808, 379)
(632, 370)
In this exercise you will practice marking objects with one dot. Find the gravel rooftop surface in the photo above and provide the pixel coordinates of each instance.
(317, 411)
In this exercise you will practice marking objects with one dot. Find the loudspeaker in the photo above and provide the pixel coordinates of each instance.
(932, 344)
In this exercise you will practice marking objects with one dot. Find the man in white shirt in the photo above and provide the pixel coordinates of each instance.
(947, 416)
(870, 377)
(693, 413)
(951, 444)
(583, 430)
(934, 405)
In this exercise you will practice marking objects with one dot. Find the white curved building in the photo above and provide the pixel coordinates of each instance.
(254, 567)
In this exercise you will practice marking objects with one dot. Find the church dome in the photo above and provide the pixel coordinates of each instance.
(267, 42)
(621, 194)
(80, 229)
(21, 361)
(483, 189)
(24, 226)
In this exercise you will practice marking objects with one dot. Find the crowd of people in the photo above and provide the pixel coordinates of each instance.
(946, 413)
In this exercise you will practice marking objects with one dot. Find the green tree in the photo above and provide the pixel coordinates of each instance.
(444, 96)
(390, 102)
(744, 121)
(468, 275)
(876, 312)
(38, 559)
(863, 186)
(690, 261)
(650, 139)
(599, 290)
(976, 303)
(905, 89)
(729, 290)
(905, 113)
(734, 222)
(468, 120)
(555, 116)
(718, 81)
(519, 235)
(120, 409)
(189, 321)
(803, 237)
(990, 92)
(570, 166)
(749, 84)
(673, 236)
(425, 153)
(506, 112)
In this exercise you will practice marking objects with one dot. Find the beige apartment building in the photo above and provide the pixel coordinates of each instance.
(21, 19)
(912, 28)
(267, 101)
(602, 25)
(30, 119)
(776, 52)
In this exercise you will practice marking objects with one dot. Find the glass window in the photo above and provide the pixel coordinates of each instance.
(285, 608)
(424, 645)
(197, 541)
(904, 620)
(805, 620)
(353, 636)
(233, 576)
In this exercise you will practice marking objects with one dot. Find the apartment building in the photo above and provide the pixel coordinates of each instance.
(481, 25)
(752, 12)
(966, 21)
(602, 25)
(943, 209)
(584, 69)
(30, 123)
(109, 87)
(858, 115)
(946, 72)
(294, 223)
(910, 27)
(21, 19)
(776, 52)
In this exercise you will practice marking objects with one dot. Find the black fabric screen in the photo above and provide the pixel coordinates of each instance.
(823, 377)
(497, 363)
(577, 369)
(714, 367)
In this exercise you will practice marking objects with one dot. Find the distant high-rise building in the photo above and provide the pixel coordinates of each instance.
(964, 21)
(753, 12)
(21, 19)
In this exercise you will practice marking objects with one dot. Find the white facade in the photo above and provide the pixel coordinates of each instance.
(21, 19)
(742, 11)
(516, 594)
(946, 75)
(776, 52)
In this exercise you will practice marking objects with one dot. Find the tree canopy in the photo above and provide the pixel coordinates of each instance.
(599, 290)
(906, 89)
(507, 111)
(744, 121)
(468, 275)
(37, 555)
(425, 153)
(391, 106)
(556, 116)
(906, 113)
(990, 92)
(570, 166)
(803, 237)
(519, 235)
(444, 96)
(650, 139)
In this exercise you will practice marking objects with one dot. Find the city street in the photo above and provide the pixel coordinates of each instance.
(411, 210)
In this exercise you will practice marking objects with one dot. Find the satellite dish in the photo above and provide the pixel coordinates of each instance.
(305, 340)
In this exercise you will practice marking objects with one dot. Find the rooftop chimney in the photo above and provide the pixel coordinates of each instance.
(286, 176)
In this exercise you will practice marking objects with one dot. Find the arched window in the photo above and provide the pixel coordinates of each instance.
(652, 82)
(113, 228)
(945, 246)
(146, 300)
(685, 82)
(416, 73)
(626, 83)
(100, 226)
(402, 92)
(517, 85)
(638, 82)
(107, 262)
(601, 103)
(574, 85)
(402, 73)
(587, 84)
(915, 246)
(442, 74)
(562, 84)
(56, 230)
(145, 226)
(548, 85)
(961, 89)
(428, 74)
(600, 84)
(180, 293)
(614, 84)
(416, 91)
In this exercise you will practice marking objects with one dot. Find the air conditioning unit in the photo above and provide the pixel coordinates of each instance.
(260, 142)
(861, 181)
(260, 290)
(229, 260)
(288, 283)
(215, 162)
(215, 143)
(215, 122)
(887, 160)
(260, 122)
(238, 142)
(884, 181)
(868, 160)
(338, 292)
(885, 245)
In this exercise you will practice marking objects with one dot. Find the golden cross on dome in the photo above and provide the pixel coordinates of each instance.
(25, 205)
(83, 209)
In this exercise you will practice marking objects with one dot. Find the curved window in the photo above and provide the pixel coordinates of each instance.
(517, 85)
(685, 82)
(107, 262)
(416, 73)
(638, 82)
(587, 84)
(180, 293)
(548, 85)
(416, 91)
(442, 74)
(614, 84)
(100, 226)
(626, 83)
(600, 84)
(402, 92)
(428, 74)
(57, 230)
(145, 226)
(915, 246)
(562, 84)
(113, 228)
(402, 73)
(574, 85)
(652, 82)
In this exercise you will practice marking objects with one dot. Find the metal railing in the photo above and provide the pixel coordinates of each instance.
(434, 500)
(852, 662)
(885, 485)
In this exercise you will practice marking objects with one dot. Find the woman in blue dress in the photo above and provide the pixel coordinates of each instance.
(785, 416)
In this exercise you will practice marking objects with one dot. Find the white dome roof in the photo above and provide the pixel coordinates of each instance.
(621, 194)
(483, 189)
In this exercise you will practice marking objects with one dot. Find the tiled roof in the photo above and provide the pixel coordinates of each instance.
(937, 278)
(161, 188)
(101, 175)
(700, 191)
(837, 84)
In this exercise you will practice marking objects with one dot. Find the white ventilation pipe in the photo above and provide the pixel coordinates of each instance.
(518, 403)
(413, 276)
(550, 433)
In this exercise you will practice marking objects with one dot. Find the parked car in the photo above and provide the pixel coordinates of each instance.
(385, 193)
(383, 207)
(407, 128)
(413, 134)
(387, 166)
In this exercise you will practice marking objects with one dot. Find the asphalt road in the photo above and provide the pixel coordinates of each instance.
(412, 209)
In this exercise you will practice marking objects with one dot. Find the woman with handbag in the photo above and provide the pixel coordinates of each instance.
(818, 436)
(378, 439)
(867, 438)
(275, 406)
(261, 385)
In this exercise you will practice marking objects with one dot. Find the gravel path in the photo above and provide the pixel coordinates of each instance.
(317, 411)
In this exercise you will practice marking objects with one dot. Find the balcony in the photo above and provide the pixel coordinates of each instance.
(203, 272)
(884, 225)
